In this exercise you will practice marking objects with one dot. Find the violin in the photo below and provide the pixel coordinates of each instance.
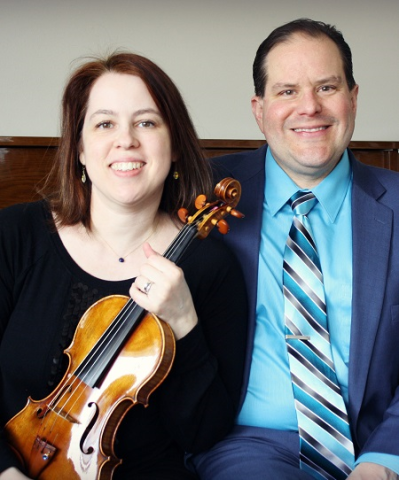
(119, 355)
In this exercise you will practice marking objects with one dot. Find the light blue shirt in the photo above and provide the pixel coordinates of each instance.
(269, 401)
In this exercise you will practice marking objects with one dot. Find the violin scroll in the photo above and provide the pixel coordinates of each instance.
(228, 190)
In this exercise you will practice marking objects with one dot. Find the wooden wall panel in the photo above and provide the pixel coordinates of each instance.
(25, 161)
(21, 171)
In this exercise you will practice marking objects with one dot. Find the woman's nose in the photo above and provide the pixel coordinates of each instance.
(127, 139)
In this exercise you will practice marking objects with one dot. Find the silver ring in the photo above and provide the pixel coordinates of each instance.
(147, 287)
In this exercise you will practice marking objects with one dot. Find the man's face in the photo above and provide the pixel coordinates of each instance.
(307, 113)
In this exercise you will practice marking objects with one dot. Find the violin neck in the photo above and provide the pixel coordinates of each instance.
(181, 243)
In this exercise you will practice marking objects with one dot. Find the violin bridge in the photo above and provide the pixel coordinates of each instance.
(61, 413)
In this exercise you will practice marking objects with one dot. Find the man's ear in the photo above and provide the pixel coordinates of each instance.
(354, 94)
(257, 110)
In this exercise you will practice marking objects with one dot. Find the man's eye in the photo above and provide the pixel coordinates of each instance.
(287, 92)
(327, 88)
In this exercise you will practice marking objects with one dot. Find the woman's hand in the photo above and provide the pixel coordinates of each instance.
(161, 289)
(13, 474)
(372, 471)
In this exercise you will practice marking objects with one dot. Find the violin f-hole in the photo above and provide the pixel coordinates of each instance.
(88, 429)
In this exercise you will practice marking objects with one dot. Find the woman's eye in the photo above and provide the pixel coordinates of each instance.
(104, 125)
(146, 124)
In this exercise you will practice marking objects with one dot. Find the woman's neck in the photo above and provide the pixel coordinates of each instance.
(124, 239)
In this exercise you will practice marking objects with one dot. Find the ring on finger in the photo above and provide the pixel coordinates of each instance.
(147, 287)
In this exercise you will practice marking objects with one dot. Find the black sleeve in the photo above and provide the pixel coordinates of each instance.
(8, 259)
(203, 389)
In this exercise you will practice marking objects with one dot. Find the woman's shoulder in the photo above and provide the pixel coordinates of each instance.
(23, 213)
(24, 224)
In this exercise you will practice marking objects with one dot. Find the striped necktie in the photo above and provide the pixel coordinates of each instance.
(326, 449)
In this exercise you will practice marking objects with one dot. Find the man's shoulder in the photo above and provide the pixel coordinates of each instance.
(371, 172)
(240, 164)
(241, 156)
(378, 182)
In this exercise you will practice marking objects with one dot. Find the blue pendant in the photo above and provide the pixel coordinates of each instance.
(121, 260)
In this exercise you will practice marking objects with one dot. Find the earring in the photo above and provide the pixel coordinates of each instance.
(83, 174)
(175, 174)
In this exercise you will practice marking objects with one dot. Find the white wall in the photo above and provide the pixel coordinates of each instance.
(206, 46)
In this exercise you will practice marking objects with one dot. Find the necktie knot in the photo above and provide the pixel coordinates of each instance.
(302, 202)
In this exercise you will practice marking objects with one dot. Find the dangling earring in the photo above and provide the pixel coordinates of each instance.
(176, 175)
(83, 174)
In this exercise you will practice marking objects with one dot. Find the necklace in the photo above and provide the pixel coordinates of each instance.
(121, 258)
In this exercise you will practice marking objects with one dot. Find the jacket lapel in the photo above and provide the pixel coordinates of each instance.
(244, 235)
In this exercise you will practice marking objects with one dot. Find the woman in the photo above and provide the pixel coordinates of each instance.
(128, 160)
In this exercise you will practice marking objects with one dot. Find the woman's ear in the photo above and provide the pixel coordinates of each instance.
(81, 157)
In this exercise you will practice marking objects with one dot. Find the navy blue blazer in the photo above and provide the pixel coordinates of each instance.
(374, 347)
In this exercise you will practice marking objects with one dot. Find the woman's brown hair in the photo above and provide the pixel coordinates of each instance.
(68, 197)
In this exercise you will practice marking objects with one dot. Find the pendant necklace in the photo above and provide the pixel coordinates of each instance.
(122, 259)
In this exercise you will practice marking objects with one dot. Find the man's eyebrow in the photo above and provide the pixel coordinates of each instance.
(281, 85)
(331, 79)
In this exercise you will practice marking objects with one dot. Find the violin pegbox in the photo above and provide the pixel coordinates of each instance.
(212, 214)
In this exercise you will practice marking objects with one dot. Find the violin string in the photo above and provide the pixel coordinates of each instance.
(186, 231)
(120, 319)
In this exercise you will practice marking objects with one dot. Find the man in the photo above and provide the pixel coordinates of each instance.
(305, 105)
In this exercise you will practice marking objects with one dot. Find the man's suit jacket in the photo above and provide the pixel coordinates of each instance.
(374, 347)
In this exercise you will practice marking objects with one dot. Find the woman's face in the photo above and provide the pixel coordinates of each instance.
(125, 143)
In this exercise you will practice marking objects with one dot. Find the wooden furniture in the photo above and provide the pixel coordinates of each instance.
(25, 161)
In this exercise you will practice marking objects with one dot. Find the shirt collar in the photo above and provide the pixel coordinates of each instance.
(330, 192)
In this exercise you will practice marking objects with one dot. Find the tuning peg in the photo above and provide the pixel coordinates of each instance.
(236, 213)
(223, 227)
(182, 213)
(200, 202)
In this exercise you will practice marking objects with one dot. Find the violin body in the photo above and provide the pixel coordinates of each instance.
(70, 434)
